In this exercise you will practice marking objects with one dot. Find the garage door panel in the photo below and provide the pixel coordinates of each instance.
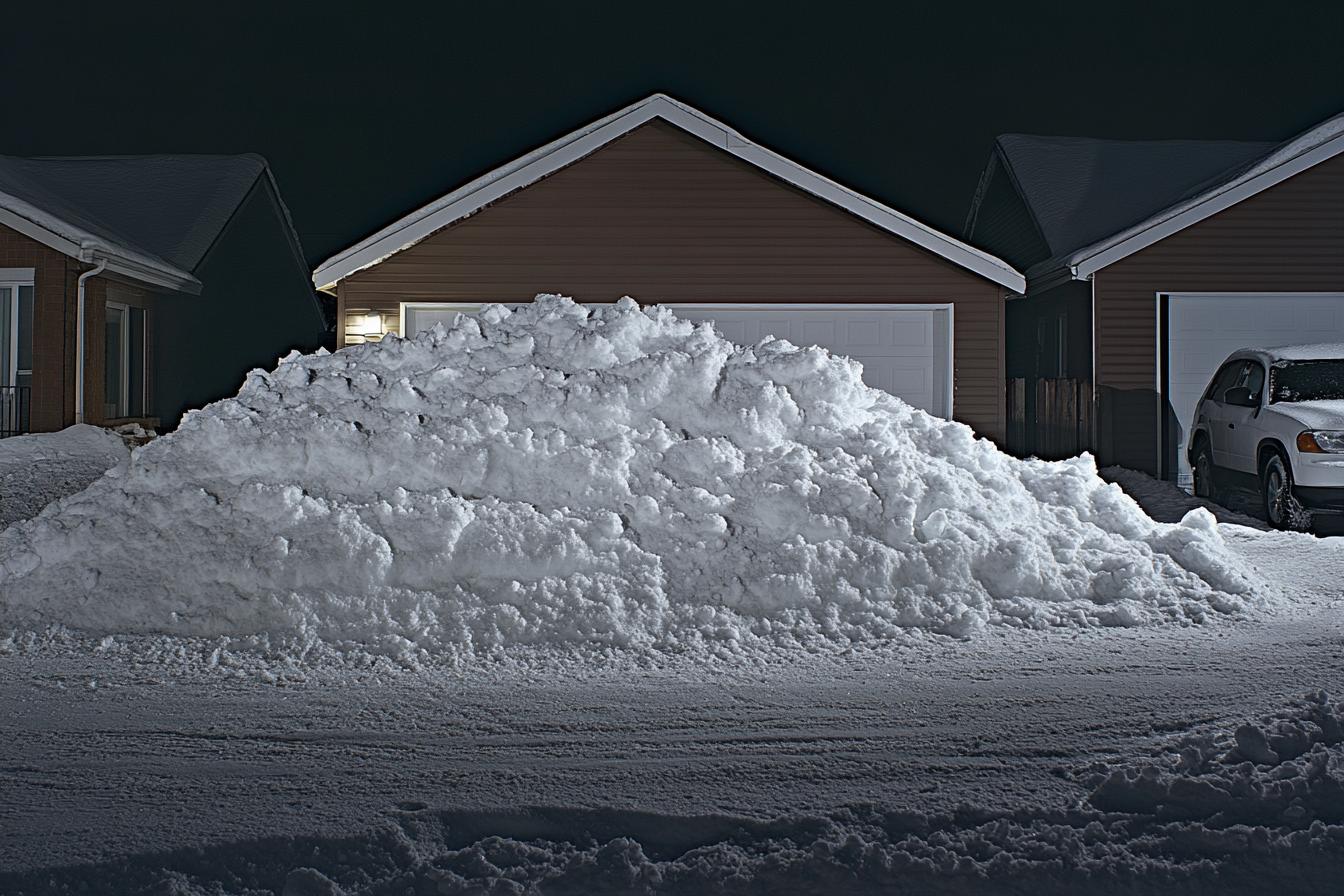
(863, 332)
(735, 331)
(818, 332)
(911, 332)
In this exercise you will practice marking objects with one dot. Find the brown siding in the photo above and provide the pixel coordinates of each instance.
(663, 217)
(1288, 238)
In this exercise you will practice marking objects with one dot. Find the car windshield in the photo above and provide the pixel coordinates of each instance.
(1307, 381)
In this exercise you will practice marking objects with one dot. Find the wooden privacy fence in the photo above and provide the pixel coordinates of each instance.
(1055, 419)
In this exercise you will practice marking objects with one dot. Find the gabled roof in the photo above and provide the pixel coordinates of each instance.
(1316, 145)
(1095, 202)
(537, 164)
(1080, 190)
(153, 218)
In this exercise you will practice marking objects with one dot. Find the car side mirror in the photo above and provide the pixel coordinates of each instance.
(1241, 397)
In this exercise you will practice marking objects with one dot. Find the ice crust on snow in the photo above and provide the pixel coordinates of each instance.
(556, 476)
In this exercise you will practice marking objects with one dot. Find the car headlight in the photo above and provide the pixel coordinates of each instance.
(1321, 441)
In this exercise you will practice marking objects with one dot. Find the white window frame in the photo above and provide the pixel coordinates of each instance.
(124, 400)
(13, 278)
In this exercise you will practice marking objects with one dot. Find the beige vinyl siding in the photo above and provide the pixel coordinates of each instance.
(663, 217)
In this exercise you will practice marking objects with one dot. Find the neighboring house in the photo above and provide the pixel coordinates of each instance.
(664, 204)
(1147, 263)
(134, 288)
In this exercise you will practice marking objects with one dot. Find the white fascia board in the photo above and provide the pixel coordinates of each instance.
(1084, 265)
(536, 165)
(472, 197)
(118, 259)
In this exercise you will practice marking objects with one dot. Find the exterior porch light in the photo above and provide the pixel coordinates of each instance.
(373, 324)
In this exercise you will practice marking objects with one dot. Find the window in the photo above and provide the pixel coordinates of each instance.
(124, 364)
(16, 351)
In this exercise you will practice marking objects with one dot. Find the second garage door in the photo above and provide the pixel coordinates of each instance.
(1204, 328)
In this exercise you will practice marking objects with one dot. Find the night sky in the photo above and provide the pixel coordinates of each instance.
(369, 110)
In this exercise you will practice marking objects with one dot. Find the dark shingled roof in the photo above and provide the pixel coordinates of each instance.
(160, 208)
(1082, 190)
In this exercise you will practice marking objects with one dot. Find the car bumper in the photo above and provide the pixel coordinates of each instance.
(1320, 471)
(1319, 499)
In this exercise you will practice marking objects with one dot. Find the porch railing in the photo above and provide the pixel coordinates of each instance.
(14, 410)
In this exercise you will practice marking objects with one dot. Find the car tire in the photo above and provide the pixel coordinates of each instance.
(1282, 508)
(1206, 479)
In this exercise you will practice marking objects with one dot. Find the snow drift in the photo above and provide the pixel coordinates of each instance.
(37, 469)
(556, 476)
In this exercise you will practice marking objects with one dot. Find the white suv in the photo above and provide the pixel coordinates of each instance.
(1272, 419)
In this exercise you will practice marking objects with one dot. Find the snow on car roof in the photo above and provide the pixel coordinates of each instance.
(1313, 351)
(615, 478)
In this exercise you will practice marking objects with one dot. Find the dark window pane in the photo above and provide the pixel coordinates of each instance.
(1307, 381)
(112, 367)
(135, 365)
(25, 328)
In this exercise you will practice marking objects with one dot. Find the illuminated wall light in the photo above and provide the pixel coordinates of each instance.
(373, 324)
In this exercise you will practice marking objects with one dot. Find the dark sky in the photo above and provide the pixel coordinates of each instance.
(369, 110)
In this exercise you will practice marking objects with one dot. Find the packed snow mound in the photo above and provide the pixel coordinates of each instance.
(619, 477)
(37, 469)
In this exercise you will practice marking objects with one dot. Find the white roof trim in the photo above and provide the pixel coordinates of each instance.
(68, 239)
(1325, 141)
(568, 149)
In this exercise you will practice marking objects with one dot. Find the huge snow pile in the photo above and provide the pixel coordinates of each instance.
(613, 478)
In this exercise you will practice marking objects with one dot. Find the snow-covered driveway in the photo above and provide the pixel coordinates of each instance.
(107, 758)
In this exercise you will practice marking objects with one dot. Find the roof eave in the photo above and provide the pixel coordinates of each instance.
(142, 269)
(1088, 261)
(568, 149)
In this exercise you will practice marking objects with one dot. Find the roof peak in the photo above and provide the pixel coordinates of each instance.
(584, 141)
(154, 216)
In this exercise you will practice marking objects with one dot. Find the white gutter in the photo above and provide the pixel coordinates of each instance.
(86, 251)
(1319, 144)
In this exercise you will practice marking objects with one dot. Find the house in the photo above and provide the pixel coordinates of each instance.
(1147, 263)
(660, 202)
(134, 288)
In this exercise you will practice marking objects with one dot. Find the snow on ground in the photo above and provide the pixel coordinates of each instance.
(612, 478)
(679, 734)
(37, 469)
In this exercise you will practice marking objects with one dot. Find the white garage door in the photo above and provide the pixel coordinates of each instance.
(904, 349)
(1204, 328)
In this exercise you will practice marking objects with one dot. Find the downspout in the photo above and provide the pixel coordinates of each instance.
(1095, 435)
(86, 251)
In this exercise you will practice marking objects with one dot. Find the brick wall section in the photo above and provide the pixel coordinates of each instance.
(53, 389)
(55, 310)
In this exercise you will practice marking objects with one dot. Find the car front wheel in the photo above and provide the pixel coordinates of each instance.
(1281, 506)
(1205, 484)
